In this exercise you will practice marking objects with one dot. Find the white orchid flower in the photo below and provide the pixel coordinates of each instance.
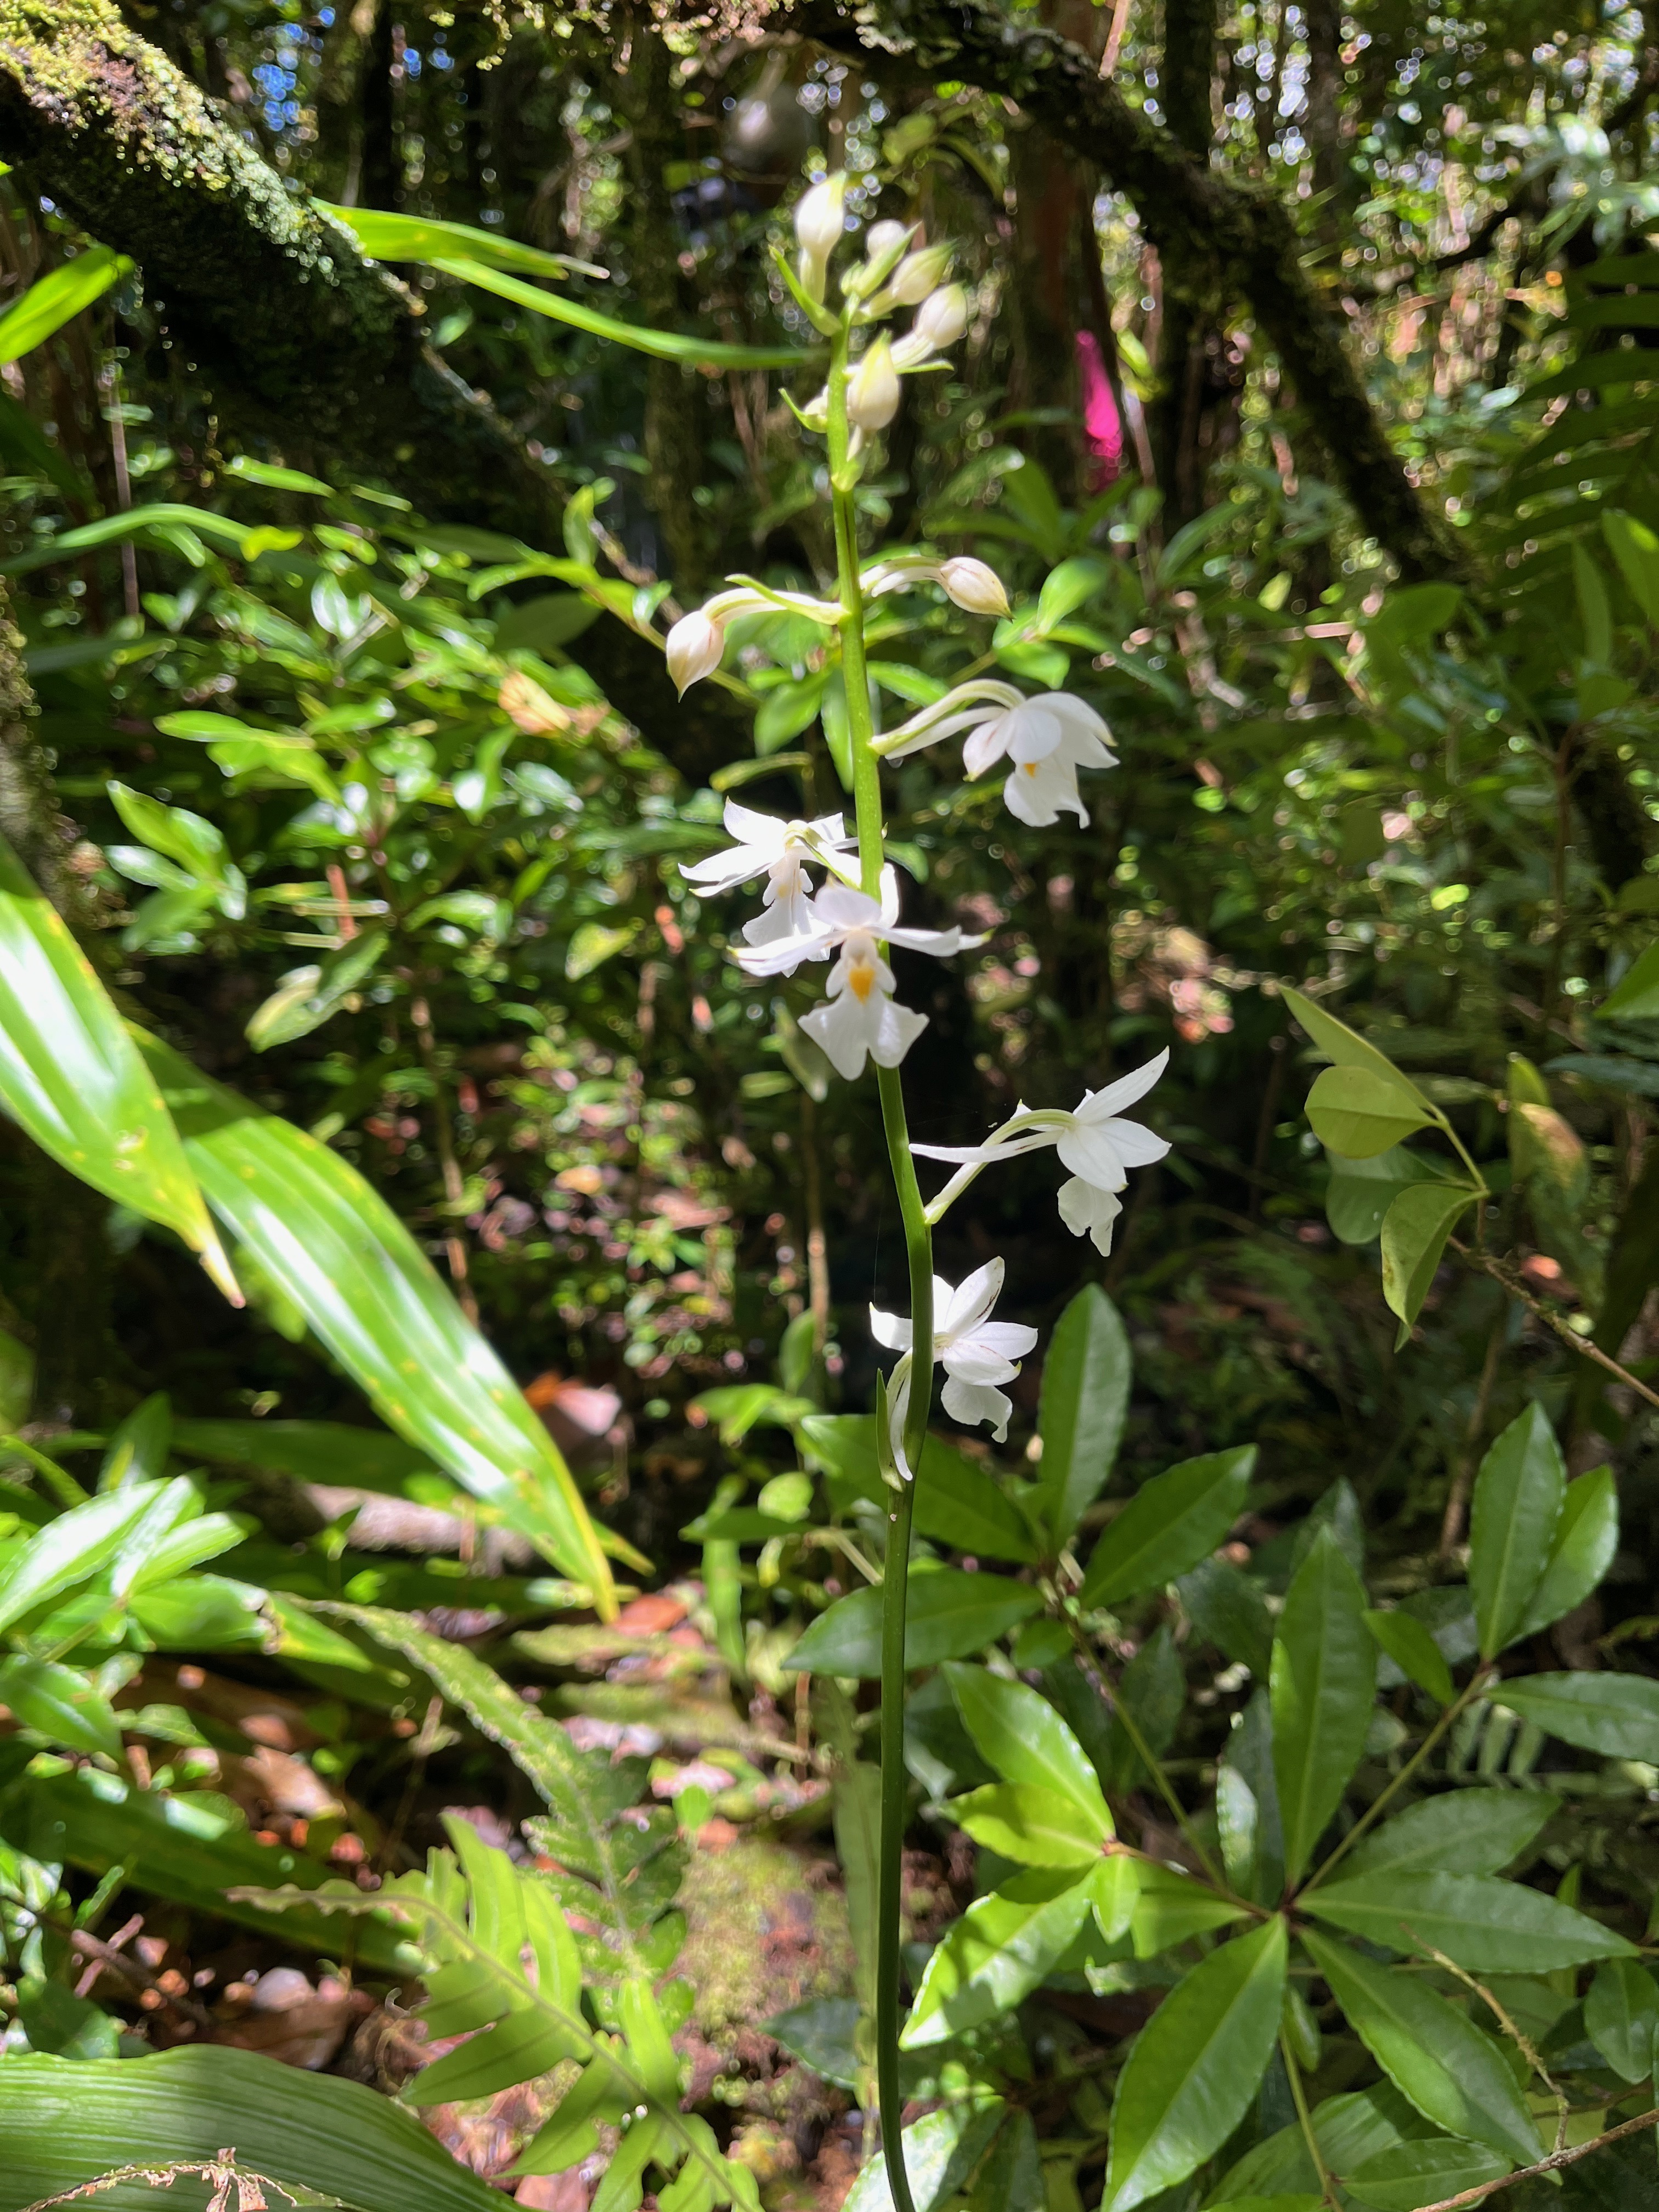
(1047, 739)
(975, 1352)
(1093, 1141)
(697, 640)
(970, 583)
(780, 851)
(860, 1018)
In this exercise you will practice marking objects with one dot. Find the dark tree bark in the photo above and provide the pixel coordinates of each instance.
(1240, 230)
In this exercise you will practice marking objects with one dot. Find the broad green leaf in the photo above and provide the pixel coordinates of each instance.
(308, 1451)
(191, 1850)
(313, 993)
(65, 2122)
(1195, 2068)
(1621, 2015)
(1171, 1907)
(55, 2019)
(57, 297)
(1021, 1736)
(1586, 1538)
(1346, 1047)
(1489, 1927)
(956, 1504)
(1170, 1523)
(1414, 1233)
(72, 1548)
(239, 749)
(1518, 1496)
(949, 1615)
(1616, 1714)
(1414, 2173)
(1636, 550)
(59, 1705)
(664, 345)
(1465, 1831)
(1086, 1398)
(372, 1296)
(941, 2149)
(996, 1955)
(1228, 1609)
(515, 2050)
(1324, 1672)
(1301, 2201)
(73, 1079)
(1360, 1114)
(1636, 996)
(1146, 1705)
(1455, 2075)
(1414, 1651)
(1360, 1191)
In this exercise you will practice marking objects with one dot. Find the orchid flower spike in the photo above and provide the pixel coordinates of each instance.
(1047, 740)
(762, 845)
(860, 1018)
(975, 1352)
(1094, 1142)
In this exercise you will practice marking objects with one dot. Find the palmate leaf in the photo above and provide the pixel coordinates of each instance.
(72, 1078)
(502, 1967)
(372, 1296)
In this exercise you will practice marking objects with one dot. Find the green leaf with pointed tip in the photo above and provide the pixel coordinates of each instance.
(949, 1615)
(956, 1503)
(1414, 2173)
(996, 1955)
(1360, 1114)
(1414, 1233)
(1616, 1714)
(664, 345)
(1170, 1523)
(1637, 998)
(941, 2149)
(57, 297)
(372, 1296)
(1360, 1191)
(1414, 1651)
(73, 1080)
(1586, 1538)
(1465, 1831)
(1346, 1047)
(1324, 1676)
(1085, 1400)
(72, 1548)
(1621, 2017)
(1518, 1496)
(1455, 2075)
(1488, 1926)
(1022, 1737)
(59, 1705)
(1195, 2068)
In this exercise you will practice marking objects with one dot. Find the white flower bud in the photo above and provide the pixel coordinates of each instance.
(919, 274)
(881, 237)
(972, 585)
(872, 389)
(695, 647)
(820, 218)
(942, 317)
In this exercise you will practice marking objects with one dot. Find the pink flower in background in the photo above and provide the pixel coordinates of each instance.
(1103, 426)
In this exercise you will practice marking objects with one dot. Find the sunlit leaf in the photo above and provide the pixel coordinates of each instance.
(57, 297)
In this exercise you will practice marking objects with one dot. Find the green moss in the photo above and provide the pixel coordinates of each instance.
(763, 1937)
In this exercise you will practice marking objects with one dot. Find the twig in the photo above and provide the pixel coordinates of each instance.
(1298, 2097)
(1581, 1345)
(1114, 37)
(129, 1970)
(221, 2174)
(1553, 2164)
(1523, 2044)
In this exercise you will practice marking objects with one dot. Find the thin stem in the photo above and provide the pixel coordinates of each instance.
(1457, 1498)
(1373, 1811)
(919, 1247)
(1523, 2044)
(1569, 1336)
(1553, 2164)
(1299, 2099)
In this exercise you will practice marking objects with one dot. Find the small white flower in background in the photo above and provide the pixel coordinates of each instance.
(919, 276)
(881, 238)
(1094, 1142)
(873, 388)
(975, 1352)
(860, 1018)
(777, 850)
(1048, 740)
(820, 222)
(695, 647)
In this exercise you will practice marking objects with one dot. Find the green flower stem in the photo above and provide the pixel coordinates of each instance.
(919, 1247)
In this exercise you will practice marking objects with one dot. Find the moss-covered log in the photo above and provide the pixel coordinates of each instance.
(1195, 217)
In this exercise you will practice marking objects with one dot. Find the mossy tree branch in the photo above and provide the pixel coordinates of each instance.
(1190, 211)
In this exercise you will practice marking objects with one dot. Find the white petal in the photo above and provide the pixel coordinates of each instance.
(1002, 1340)
(1088, 1211)
(1137, 1147)
(1039, 791)
(890, 903)
(994, 1148)
(890, 1330)
(1090, 1151)
(899, 1029)
(841, 909)
(724, 872)
(988, 743)
(971, 1403)
(1099, 1105)
(1033, 733)
(748, 826)
(1078, 716)
(844, 1028)
(964, 1308)
(783, 957)
(898, 1407)
(943, 944)
(970, 1365)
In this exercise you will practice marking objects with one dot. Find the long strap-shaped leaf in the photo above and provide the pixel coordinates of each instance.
(371, 1295)
(71, 1077)
(667, 345)
(57, 298)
